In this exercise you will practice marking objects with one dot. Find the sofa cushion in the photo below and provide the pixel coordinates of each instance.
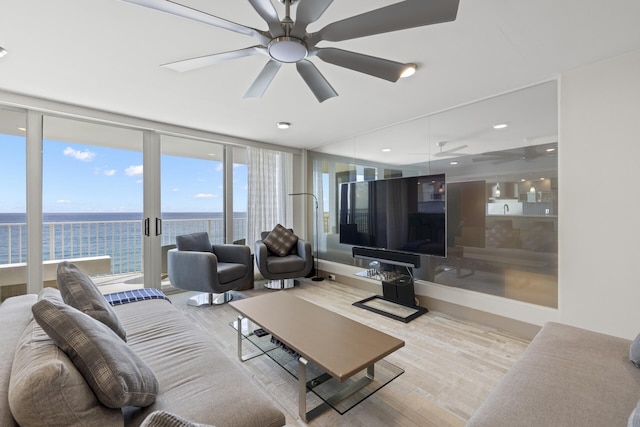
(634, 351)
(567, 377)
(198, 380)
(15, 315)
(46, 387)
(194, 242)
(113, 370)
(228, 272)
(280, 240)
(79, 291)
(167, 419)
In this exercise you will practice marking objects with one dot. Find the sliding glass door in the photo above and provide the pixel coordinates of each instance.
(92, 199)
(13, 207)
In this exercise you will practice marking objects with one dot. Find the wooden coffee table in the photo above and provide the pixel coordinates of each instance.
(339, 346)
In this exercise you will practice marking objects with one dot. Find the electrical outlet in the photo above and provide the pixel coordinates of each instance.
(332, 277)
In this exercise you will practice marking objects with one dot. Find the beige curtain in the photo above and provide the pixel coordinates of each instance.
(270, 181)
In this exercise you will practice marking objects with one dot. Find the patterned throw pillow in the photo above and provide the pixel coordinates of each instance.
(115, 373)
(167, 419)
(79, 291)
(280, 240)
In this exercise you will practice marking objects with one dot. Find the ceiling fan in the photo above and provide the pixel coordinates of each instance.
(287, 41)
(450, 151)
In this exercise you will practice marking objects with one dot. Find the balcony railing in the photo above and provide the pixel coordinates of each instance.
(121, 240)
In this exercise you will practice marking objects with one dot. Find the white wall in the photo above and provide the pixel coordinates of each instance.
(599, 221)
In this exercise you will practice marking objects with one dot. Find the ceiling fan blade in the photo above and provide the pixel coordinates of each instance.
(262, 82)
(450, 151)
(266, 10)
(216, 58)
(308, 11)
(316, 81)
(374, 66)
(196, 15)
(399, 16)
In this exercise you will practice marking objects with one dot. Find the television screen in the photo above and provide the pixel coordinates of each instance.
(399, 214)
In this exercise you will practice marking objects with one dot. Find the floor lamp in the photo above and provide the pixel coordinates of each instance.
(317, 236)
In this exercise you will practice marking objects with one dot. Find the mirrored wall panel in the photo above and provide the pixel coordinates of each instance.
(500, 160)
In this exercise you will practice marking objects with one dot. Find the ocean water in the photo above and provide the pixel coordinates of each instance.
(117, 234)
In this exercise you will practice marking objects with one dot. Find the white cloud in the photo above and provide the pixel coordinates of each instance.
(205, 196)
(63, 201)
(109, 172)
(220, 167)
(133, 170)
(176, 190)
(85, 156)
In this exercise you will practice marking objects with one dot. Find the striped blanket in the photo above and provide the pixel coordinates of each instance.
(119, 298)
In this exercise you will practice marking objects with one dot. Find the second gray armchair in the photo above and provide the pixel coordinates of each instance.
(282, 268)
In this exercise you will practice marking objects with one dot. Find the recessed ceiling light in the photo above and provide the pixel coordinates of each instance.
(409, 71)
(22, 129)
(522, 180)
(283, 125)
(3, 52)
(500, 126)
(549, 150)
(453, 163)
(386, 150)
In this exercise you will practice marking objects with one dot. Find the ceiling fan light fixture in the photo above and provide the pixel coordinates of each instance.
(409, 71)
(283, 125)
(500, 126)
(287, 49)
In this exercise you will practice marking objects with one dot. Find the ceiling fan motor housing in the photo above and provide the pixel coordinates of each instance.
(287, 49)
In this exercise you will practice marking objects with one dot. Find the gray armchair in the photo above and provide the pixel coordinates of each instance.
(281, 270)
(197, 265)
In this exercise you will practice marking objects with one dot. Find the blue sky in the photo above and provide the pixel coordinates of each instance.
(84, 178)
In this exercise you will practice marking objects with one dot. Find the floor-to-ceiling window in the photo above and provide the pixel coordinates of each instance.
(240, 193)
(13, 230)
(192, 182)
(64, 172)
(92, 197)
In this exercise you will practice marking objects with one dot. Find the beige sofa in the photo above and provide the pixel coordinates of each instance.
(566, 377)
(196, 381)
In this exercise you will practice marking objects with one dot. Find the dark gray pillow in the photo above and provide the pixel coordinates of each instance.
(194, 242)
(280, 240)
(79, 291)
(634, 351)
(112, 369)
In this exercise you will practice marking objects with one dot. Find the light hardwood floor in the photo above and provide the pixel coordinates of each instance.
(450, 365)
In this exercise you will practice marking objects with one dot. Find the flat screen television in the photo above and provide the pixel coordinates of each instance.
(399, 214)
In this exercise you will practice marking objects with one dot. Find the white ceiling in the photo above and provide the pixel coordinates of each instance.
(106, 54)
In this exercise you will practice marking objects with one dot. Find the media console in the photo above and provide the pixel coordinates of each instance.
(388, 257)
(397, 288)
